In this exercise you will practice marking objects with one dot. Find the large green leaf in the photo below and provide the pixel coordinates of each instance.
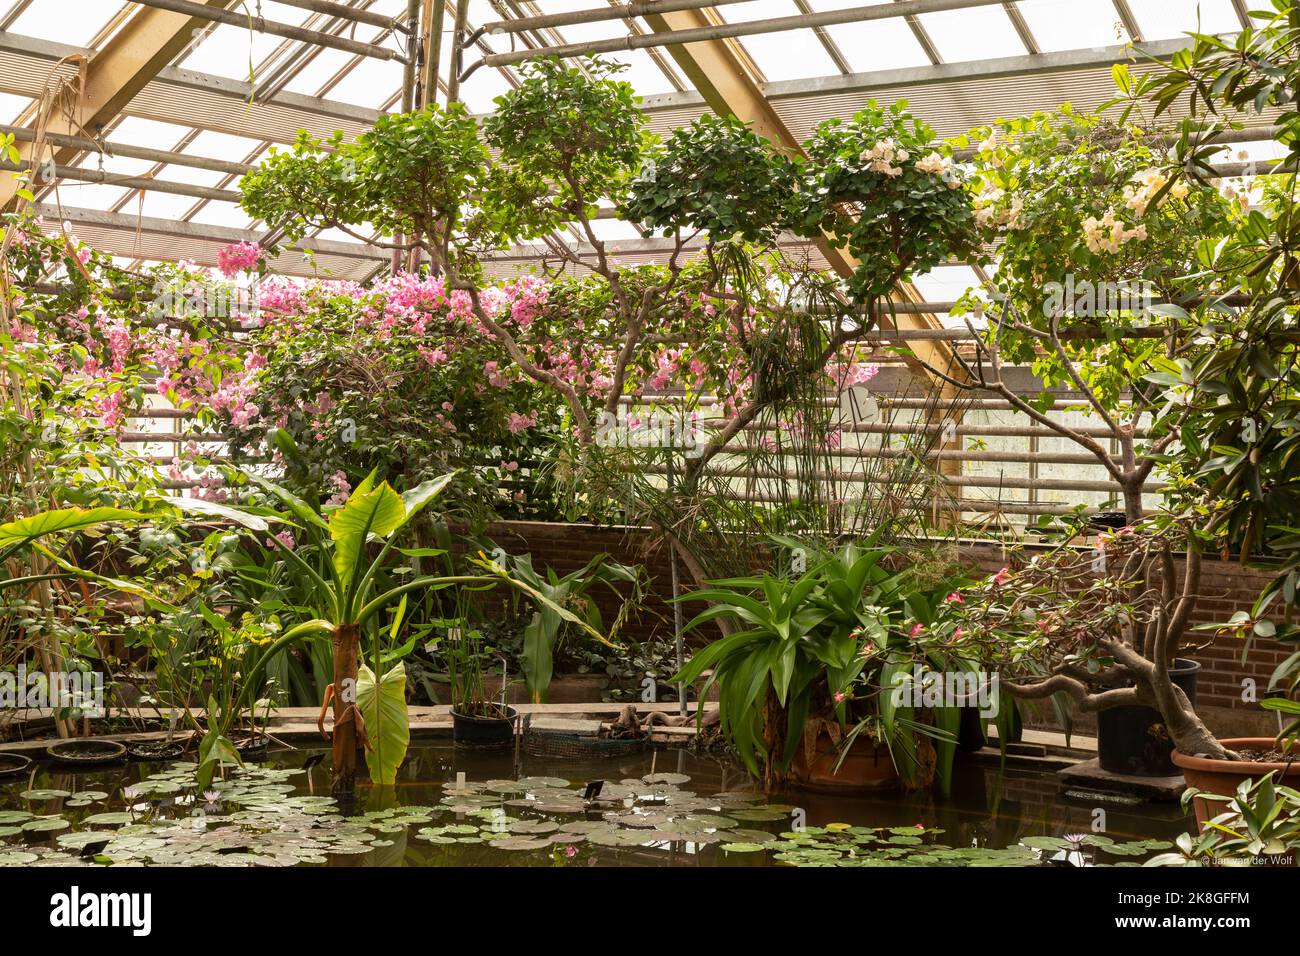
(214, 509)
(418, 497)
(63, 519)
(536, 659)
(301, 510)
(387, 725)
(376, 512)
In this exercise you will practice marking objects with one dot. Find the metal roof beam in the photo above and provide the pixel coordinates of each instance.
(132, 57)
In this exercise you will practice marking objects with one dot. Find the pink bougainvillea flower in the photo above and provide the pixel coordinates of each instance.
(917, 629)
(955, 598)
(1003, 576)
(840, 696)
(239, 257)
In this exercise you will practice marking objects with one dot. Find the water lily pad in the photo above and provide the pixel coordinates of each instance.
(46, 825)
(741, 847)
(673, 779)
(45, 794)
(114, 818)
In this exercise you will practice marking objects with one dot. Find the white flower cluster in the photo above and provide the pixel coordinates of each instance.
(881, 157)
(988, 213)
(1138, 196)
(1107, 234)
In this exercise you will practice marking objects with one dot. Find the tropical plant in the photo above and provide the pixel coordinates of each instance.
(349, 593)
(546, 629)
(1260, 821)
(822, 650)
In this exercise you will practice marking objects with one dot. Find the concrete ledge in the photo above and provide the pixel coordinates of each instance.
(1090, 776)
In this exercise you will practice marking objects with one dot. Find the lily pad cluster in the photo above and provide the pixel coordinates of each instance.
(260, 816)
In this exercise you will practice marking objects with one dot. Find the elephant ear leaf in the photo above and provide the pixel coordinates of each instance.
(376, 512)
(387, 725)
(62, 519)
(426, 491)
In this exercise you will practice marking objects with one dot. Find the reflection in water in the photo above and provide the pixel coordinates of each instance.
(713, 817)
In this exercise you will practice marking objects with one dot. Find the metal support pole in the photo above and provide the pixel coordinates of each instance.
(723, 31)
(25, 135)
(679, 625)
(410, 77)
(622, 11)
(458, 52)
(435, 21)
(348, 12)
(273, 27)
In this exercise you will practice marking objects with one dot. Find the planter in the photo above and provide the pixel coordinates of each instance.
(564, 689)
(1133, 740)
(13, 765)
(866, 768)
(252, 748)
(496, 733)
(86, 752)
(156, 750)
(972, 734)
(1224, 776)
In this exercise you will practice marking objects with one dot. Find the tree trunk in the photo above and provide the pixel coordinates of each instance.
(344, 736)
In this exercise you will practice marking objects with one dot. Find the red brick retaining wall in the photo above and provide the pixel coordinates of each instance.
(1225, 586)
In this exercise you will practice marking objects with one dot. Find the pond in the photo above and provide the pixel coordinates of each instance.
(665, 808)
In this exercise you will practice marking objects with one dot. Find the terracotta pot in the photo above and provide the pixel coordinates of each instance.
(866, 768)
(1224, 776)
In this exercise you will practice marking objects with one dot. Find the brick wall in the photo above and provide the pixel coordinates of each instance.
(1225, 586)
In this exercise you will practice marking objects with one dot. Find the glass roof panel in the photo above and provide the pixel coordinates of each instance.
(789, 55)
(868, 46)
(222, 214)
(75, 22)
(981, 33)
(370, 83)
(1163, 19)
(1072, 25)
(11, 106)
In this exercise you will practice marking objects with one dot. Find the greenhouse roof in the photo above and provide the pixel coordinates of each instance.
(179, 107)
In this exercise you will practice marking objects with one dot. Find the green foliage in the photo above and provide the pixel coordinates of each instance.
(567, 139)
(879, 185)
(717, 175)
(411, 173)
(546, 628)
(1260, 820)
(825, 647)
(387, 725)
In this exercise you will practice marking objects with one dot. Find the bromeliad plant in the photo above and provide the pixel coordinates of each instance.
(821, 651)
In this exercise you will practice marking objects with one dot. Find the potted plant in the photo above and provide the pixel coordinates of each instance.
(1259, 823)
(477, 720)
(809, 672)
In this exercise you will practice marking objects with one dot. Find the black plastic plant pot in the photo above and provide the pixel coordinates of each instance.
(1134, 740)
(253, 748)
(158, 750)
(483, 732)
(86, 752)
(13, 765)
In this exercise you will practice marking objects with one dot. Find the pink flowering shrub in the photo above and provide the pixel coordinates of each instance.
(239, 257)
